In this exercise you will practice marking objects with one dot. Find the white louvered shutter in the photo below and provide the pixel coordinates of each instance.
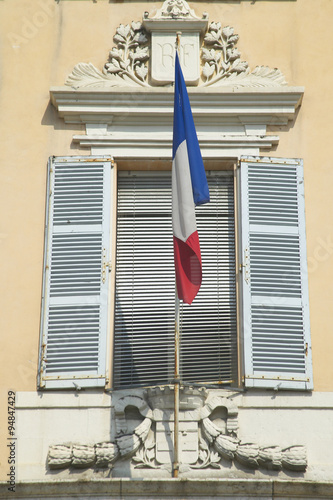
(145, 285)
(277, 350)
(75, 291)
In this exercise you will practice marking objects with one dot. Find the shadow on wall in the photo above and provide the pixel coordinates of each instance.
(283, 128)
(52, 119)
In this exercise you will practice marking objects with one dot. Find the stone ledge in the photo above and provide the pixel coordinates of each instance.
(249, 400)
(147, 489)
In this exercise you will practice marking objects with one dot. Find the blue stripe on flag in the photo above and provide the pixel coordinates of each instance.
(184, 129)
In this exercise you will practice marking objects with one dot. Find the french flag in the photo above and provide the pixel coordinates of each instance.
(189, 188)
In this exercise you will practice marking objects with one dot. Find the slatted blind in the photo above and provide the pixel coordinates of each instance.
(145, 285)
(74, 312)
(275, 300)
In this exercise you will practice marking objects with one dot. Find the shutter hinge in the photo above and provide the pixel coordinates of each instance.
(42, 366)
(43, 354)
(105, 264)
(306, 349)
(245, 265)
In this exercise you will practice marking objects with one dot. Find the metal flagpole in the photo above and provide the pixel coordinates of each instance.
(176, 393)
(176, 381)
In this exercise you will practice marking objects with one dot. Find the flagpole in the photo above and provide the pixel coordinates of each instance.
(189, 189)
(176, 381)
(176, 392)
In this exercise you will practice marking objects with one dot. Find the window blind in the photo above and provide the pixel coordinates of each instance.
(145, 285)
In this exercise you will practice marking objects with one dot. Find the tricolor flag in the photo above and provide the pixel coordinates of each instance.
(189, 188)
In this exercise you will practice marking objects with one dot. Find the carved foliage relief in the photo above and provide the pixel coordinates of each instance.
(130, 58)
(208, 437)
(220, 55)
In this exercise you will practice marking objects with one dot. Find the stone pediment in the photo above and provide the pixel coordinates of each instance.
(143, 55)
(127, 106)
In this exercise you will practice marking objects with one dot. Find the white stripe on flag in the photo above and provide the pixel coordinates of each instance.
(183, 221)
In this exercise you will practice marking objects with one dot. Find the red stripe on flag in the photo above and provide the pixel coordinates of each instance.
(188, 267)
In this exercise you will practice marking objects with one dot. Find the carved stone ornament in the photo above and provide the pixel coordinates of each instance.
(208, 429)
(174, 9)
(143, 55)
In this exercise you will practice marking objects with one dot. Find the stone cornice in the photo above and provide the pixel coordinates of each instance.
(266, 106)
(137, 123)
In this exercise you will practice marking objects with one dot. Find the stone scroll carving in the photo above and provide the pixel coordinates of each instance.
(131, 60)
(208, 437)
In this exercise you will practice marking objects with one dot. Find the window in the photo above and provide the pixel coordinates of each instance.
(273, 325)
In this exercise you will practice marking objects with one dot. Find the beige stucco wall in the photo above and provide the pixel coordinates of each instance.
(40, 42)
